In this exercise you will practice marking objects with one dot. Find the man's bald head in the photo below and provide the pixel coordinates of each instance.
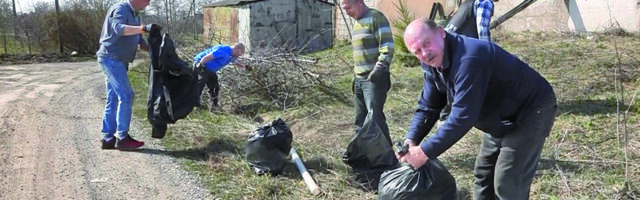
(425, 39)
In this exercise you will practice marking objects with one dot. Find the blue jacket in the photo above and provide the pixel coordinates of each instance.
(113, 42)
(490, 88)
(222, 56)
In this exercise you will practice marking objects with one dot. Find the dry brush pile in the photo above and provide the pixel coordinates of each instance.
(279, 79)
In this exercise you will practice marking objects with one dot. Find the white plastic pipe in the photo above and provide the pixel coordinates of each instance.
(308, 180)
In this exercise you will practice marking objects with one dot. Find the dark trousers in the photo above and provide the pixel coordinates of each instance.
(211, 80)
(505, 166)
(369, 99)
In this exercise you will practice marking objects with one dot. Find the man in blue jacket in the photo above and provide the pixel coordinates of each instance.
(491, 90)
(209, 61)
(472, 19)
(121, 36)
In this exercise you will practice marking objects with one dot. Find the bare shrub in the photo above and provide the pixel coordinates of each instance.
(279, 77)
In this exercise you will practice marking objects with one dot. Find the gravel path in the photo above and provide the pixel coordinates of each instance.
(50, 120)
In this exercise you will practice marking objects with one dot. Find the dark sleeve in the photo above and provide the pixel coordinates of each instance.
(430, 104)
(470, 83)
(142, 41)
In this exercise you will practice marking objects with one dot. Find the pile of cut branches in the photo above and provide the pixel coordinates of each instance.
(279, 78)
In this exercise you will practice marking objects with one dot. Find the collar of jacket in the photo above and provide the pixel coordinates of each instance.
(134, 12)
(450, 44)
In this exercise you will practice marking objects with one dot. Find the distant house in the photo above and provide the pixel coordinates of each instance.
(550, 15)
(301, 24)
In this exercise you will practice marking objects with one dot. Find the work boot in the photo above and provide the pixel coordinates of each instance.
(128, 143)
(111, 144)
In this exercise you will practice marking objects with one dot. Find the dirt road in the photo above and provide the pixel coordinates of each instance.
(50, 120)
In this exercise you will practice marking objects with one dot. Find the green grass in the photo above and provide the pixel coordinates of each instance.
(582, 159)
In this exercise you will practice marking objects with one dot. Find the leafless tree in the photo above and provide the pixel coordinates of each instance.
(5, 19)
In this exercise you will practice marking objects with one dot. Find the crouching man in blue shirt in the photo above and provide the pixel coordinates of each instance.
(209, 61)
(490, 89)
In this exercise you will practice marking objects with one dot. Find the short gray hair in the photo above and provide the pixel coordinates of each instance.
(239, 45)
(430, 23)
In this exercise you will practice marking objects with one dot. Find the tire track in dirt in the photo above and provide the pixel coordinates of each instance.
(50, 118)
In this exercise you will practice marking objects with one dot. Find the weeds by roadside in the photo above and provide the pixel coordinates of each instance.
(583, 157)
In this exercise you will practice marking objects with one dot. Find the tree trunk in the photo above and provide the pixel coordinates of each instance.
(28, 40)
(4, 38)
(15, 20)
(60, 43)
(167, 15)
(195, 20)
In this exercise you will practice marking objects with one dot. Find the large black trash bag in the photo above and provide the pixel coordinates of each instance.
(173, 90)
(431, 181)
(369, 154)
(268, 147)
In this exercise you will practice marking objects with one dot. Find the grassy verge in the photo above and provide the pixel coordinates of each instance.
(586, 156)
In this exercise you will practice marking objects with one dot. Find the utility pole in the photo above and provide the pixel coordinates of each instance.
(195, 21)
(60, 43)
(15, 20)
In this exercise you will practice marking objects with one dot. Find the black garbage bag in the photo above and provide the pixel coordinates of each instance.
(268, 147)
(173, 90)
(431, 181)
(369, 154)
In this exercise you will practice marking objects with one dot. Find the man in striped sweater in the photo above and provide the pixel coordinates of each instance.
(372, 43)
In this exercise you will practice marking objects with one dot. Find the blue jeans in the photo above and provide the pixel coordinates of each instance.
(117, 112)
(369, 99)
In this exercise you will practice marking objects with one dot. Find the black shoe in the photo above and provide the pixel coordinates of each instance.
(111, 144)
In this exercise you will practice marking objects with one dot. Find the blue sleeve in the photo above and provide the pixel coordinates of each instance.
(484, 9)
(470, 84)
(118, 20)
(430, 104)
(200, 55)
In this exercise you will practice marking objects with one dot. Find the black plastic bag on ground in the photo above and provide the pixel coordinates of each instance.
(431, 181)
(268, 147)
(369, 154)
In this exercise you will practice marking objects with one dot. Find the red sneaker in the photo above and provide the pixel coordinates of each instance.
(128, 143)
(111, 144)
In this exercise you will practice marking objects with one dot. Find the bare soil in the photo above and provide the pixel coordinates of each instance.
(50, 121)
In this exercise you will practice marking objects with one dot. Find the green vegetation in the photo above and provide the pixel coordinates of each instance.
(584, 158)
(402, 54)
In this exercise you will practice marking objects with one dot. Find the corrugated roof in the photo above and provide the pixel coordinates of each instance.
(223, 3)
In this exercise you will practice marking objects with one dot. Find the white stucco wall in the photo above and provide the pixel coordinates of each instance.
(571, 15)
(599, 15)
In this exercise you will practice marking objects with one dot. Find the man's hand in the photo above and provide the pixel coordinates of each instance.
(143, 46)
(147, 28)
(375, 73)
(416, 157)
(248, 67)
(400, 147)
(240, 64)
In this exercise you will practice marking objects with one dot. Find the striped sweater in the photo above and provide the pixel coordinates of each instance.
(372, 43)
